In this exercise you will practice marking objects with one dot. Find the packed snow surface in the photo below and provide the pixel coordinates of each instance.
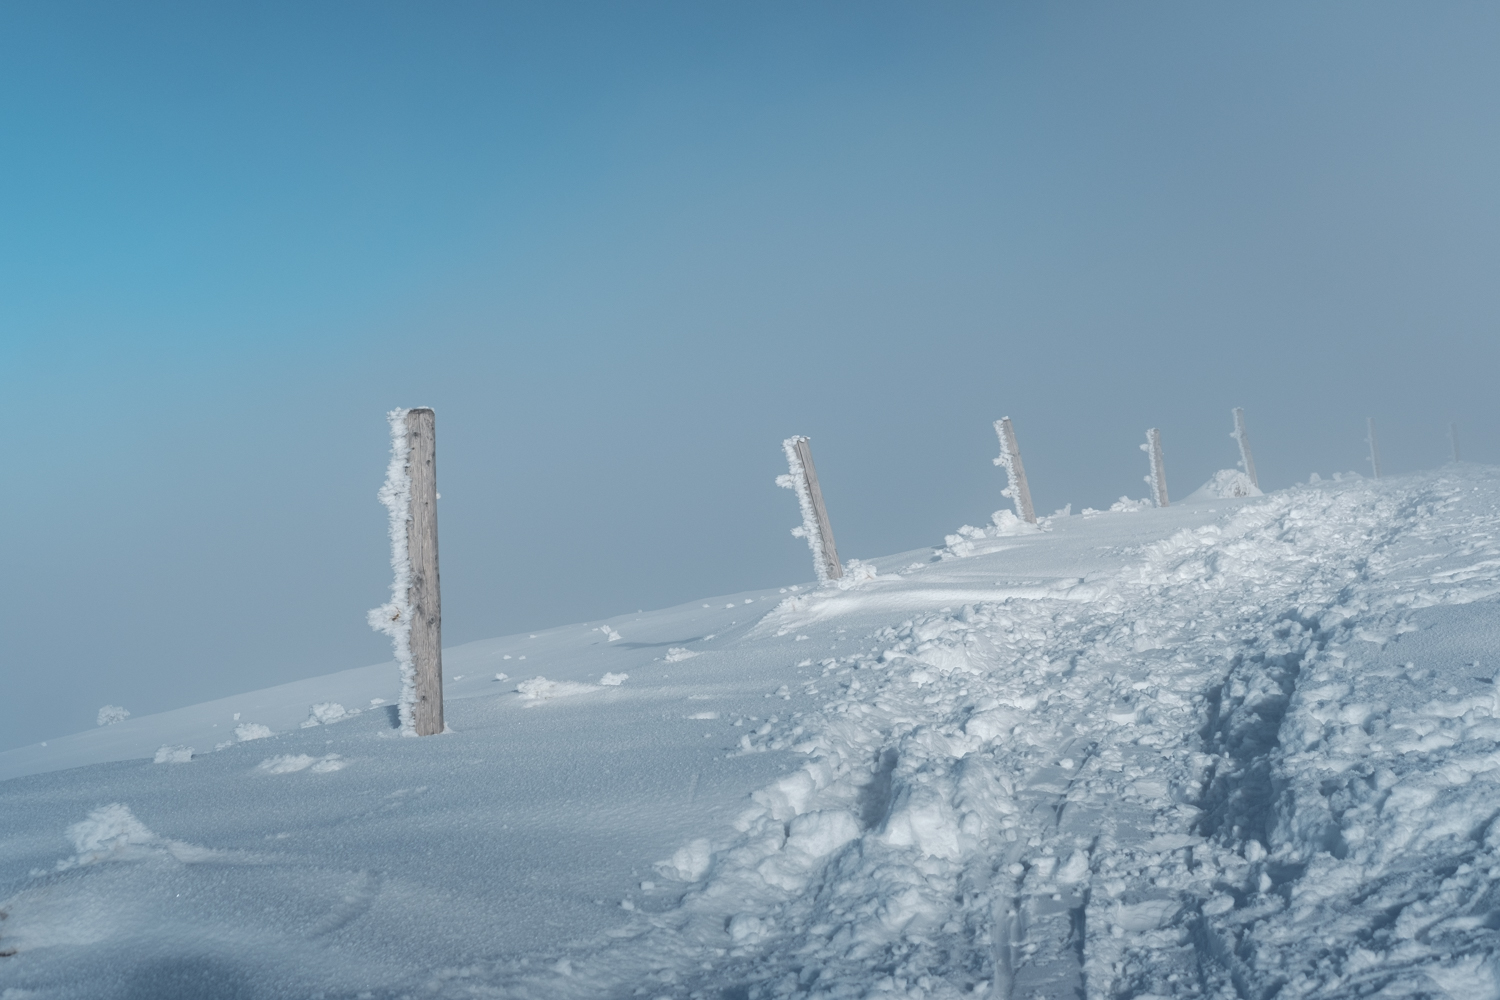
(1241, 747)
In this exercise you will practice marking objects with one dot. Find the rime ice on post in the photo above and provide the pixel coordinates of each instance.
(802, 479)
(1015, 472)
(1374, 451)
(1246, 461)
(412, 617)
(1158, 476)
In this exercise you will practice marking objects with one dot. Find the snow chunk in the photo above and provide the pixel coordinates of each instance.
(676, 653)
(326, 713)
(540, 689)
(110, 714)
(173, 755)
(614, 680)
(247, 731)
(106, 830)
(1226, 484)
(857, 572)
(610, 635)
(688, 863)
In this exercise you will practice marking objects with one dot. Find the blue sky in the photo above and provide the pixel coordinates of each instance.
(625, 249)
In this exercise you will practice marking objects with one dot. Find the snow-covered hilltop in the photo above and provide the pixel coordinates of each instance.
(1233, 748)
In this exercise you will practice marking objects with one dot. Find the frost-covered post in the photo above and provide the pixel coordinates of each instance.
(1374, 451)
(1015, 472)
(413, 617)
(1158, 476)
(802, 479)
(1244, 441)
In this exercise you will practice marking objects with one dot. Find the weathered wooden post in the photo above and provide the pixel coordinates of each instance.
(413, 617)
(1374, 451)
(426, 600)
(1158, 476)
(1015, 472)
(1244, 441)
(802, 479)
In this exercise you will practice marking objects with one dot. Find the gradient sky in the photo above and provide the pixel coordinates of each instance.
(625, 248)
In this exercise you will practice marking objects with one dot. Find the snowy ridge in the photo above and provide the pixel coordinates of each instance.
(394, 617)
(1033, 799)
(796, 481)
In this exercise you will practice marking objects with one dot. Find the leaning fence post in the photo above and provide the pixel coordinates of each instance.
(1374, 451)
(802, 479)
(413, 617)
(1158, 476)
(1244, 440)
(1010, 460)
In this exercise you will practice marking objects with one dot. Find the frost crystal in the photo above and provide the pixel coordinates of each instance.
(394, 617)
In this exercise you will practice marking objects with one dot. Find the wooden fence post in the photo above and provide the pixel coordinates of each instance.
(423, 592)
(802, 479)
(1158, 477)
(1010, 460)
(1374, 451)
(1244, 439)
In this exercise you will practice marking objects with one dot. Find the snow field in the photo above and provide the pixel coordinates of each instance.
(1239, 747)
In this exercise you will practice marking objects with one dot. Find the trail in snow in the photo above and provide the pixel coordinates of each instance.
(1242, 749)
(1049, 796)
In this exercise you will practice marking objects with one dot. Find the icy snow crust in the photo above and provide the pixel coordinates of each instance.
(1232, 748)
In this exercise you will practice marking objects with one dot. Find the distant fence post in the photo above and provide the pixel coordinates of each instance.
(425, 598)
(1453, 437)
(1374, 451)
(802, 479)
(1010, 460)
(1244, 441)
(1158, 476)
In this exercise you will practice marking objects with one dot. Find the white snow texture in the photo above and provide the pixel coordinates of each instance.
(796, 481)
(394, 617)
(1247, 747)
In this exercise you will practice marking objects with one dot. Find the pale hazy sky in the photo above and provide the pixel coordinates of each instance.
(625, 248)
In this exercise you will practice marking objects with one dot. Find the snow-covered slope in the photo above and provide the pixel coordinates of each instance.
(1233, 748)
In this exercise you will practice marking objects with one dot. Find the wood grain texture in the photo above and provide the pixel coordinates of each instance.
(1018, 472)
(1244, 439)
(1158, 467)
(424, 593)
(825, 530)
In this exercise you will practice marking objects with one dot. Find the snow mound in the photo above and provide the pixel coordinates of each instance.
(112, 833)
(970, 541)
(1226, 484)
(614, 680)
(173, 755)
